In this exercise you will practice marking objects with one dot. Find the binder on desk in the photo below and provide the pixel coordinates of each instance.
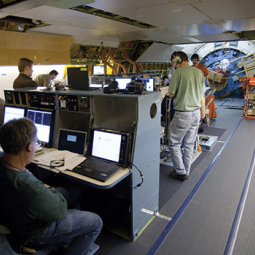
(108, 152)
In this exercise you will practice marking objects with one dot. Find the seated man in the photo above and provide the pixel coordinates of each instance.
(45, 80)
(36, 213)
(165, 81)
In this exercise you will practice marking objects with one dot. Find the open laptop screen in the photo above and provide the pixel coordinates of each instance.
(122, 82)
(106, 145)
(110, 145)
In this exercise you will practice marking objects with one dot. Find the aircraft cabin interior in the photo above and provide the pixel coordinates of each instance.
(104, 121)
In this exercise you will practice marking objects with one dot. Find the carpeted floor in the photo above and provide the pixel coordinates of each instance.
(213, 131)
(168, 185)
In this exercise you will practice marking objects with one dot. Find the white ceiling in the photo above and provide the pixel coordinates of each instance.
(176, 21)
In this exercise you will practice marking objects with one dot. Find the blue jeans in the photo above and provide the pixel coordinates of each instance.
(77, 230)
(183, 131)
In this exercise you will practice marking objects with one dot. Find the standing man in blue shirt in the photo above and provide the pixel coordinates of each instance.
(187, 87)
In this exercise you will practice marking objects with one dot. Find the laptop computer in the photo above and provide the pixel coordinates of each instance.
(108, 152)
(72, 140)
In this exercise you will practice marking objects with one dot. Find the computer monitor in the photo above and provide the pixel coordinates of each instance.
(44, 122)
(13, 112)
(72, 140)
(78, 78)
(96, 82)
(148, 82)
(98, 69)
(122, 82)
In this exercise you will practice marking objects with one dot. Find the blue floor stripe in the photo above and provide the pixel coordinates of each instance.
(221, 104)
(239, 212)
(175, 218)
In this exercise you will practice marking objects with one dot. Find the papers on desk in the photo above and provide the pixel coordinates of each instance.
(71, 159)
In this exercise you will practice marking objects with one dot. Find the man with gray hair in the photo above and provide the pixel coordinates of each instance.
(36, 213)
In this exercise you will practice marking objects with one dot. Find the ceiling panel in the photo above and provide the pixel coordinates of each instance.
(103, 24)
(47, 13)
(82, 35)
(121, 5)
(177, 21)
(97, 42)
(176, 31)
(156, 53)
(216, 37)
(227, 9)
(65, 29)
(26, 5)
(240, 25)
(166, 15)
(177, 40)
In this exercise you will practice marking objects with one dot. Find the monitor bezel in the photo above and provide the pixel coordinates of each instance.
(13, 106)
(52, 124)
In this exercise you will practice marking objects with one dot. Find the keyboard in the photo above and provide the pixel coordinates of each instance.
(97, 169)
(91, 163)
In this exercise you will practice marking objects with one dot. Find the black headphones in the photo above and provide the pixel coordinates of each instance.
(136, 87)
(112, 88)
(109, 90)
(178, 60)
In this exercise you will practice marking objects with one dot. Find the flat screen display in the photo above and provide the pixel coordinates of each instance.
(149, 83)
(13, 112)
(72, 140)
(106, 145)
(95, 86)
(98, 69)
(122, 82)
(44, 122)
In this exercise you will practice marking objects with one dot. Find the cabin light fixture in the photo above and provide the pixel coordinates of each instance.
(185, 2)
(176, 10)
(214, 21)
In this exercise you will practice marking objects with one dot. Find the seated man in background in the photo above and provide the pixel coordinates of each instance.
(36, 213)
(24, 79)
(45, 80)
(165, 81)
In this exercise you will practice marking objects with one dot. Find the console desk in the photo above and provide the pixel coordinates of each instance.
(119, 198)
